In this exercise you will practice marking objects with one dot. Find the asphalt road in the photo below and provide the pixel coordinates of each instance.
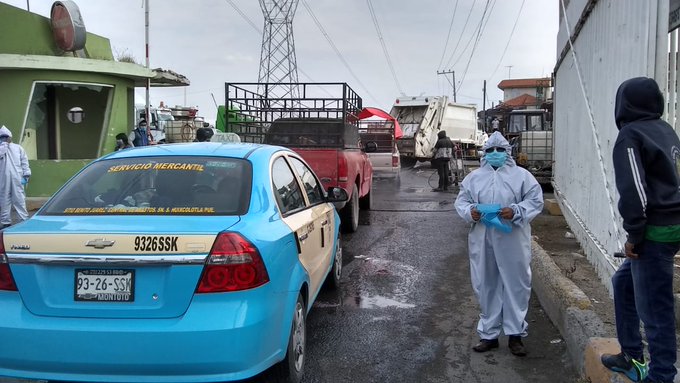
(406, 311)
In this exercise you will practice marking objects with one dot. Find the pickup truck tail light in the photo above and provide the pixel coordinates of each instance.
(234, 264)
(342, 168)
(6, 279)
(395, 161)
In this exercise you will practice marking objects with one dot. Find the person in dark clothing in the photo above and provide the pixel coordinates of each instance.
(646, 164)
(442, 155)
(203, 134)
(122, 142)
(139, 136)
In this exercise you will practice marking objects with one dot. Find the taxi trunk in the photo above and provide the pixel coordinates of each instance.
(123, 268)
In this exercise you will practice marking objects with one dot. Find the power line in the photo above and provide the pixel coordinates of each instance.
(480, 32)
(259, 31)
(337, 51)
(509, 39)
(448, 36)
(480, 27)
(244, 16)
(384, 46)
(460, 36)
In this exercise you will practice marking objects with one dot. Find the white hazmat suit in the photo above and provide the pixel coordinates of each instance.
(13, 169)
(500, 261)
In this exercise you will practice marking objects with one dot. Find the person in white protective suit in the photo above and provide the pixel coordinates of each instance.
(14, 175)
(500, 254)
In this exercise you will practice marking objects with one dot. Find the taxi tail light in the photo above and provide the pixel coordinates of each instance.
(342, 168)
(6, 280)
(234, 264)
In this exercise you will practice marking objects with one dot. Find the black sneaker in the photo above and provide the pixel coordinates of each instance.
(485, 345)
(633, 369)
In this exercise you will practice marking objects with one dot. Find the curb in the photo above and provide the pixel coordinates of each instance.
(567, 306)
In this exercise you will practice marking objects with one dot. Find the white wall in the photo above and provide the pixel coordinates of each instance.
(618, 41)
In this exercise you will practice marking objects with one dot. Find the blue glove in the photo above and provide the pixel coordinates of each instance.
(490, 217)
(24, 181)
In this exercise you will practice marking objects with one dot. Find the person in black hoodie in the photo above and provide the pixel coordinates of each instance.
(443, 152)
(646, 164)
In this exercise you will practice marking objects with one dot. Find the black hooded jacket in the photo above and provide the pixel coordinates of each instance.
(646, 159)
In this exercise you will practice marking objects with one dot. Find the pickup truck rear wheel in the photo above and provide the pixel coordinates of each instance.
(366, 201)
(350, 213)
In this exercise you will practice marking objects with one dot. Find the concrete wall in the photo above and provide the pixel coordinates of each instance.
(617, 40)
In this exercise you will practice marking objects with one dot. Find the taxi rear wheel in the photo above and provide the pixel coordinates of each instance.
(333, 278)
(350, 213)
(291, 368)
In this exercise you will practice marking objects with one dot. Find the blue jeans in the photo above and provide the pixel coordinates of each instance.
(643, 290)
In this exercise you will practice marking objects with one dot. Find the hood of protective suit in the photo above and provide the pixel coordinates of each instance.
(496, 139)
(441, 134)
(5, 132)
(638, 99)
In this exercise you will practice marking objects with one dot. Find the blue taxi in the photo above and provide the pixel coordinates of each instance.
(173, 263)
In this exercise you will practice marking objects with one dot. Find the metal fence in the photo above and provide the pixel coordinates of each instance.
(611, 41)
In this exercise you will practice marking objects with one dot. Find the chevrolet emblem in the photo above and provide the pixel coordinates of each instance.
(100, 243)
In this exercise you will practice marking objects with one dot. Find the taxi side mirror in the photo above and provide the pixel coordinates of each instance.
(336, 194)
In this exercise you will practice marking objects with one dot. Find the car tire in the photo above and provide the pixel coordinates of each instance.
(333, 278)
(366, 201)
(291, 369)
(350, 213)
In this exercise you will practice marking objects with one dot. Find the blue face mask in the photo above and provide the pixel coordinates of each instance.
(496, 159)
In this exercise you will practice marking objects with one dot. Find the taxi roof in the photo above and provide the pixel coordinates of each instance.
(234, 150)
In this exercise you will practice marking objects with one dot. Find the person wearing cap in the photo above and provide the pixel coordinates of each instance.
(14, 175)
(140, 135)
(500, 255)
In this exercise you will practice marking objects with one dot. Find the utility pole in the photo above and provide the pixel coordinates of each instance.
(148, 80)
(484, 105)
(453, 84)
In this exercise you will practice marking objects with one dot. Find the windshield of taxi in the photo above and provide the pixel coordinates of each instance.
(178, 185)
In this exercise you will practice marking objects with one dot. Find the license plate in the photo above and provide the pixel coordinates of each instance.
(104, 285)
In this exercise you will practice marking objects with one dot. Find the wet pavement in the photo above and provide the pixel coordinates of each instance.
(406, 311)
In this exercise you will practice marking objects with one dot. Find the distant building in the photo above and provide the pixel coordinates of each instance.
(539, 88)
(63, 95)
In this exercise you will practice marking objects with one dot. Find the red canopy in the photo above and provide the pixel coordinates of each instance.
(375, 112)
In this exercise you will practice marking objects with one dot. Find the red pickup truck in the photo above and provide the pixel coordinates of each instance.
(333, 149)
(322, 128)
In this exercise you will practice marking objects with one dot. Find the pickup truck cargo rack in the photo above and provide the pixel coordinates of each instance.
(317, 104)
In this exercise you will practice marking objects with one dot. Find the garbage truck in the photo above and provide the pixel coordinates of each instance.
(421, 118)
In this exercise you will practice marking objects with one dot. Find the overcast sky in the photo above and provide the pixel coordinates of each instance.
(210, 43)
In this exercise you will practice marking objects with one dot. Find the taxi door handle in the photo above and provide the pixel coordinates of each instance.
(324, 222)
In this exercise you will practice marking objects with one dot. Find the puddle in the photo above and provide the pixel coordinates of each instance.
(380, 283)
(376, 302)
(417, 190)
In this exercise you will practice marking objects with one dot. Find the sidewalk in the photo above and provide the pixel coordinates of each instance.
(586, 323)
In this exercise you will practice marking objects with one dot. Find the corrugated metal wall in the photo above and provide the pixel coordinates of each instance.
(616, 40)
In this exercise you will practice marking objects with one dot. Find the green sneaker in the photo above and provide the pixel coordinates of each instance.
(633, 369)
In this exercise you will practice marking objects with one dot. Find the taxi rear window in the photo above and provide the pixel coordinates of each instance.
(177, 185)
